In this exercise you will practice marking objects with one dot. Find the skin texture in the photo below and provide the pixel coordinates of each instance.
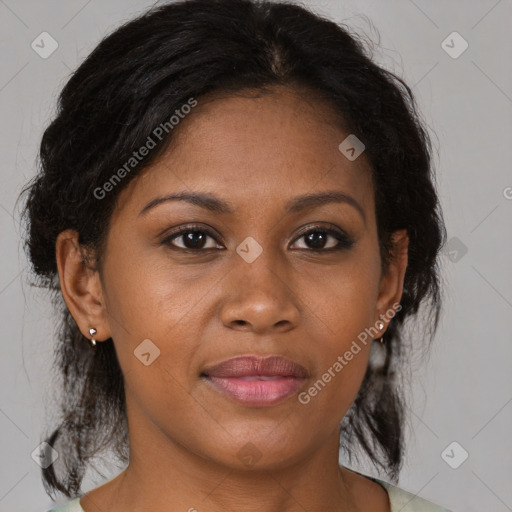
(256, 152)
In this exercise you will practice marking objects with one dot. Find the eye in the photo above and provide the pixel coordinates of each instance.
(317, 239)
(321, 239)
(192, 239)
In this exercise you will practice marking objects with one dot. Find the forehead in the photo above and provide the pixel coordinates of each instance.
(257, 148)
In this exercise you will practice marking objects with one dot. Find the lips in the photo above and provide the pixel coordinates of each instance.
(248, 366)
(256, 381)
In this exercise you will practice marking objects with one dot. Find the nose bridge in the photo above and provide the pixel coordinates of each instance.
(261, 297)
(262, 269)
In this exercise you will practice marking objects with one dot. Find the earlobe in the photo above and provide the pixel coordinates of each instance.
(80, 285)
(391, 285)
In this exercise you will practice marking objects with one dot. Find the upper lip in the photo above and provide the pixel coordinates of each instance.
(246, 366)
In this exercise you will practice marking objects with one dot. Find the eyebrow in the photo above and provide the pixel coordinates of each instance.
(214, 204)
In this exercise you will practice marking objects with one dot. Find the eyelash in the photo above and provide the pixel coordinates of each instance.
(344, 241)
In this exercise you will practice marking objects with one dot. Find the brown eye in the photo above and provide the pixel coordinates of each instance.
(191, 239)
(325, 240)
(318, 239)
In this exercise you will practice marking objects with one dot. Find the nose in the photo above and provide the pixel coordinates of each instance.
(261, 298)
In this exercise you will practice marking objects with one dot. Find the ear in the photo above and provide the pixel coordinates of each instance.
(81, 286)
(391, 283)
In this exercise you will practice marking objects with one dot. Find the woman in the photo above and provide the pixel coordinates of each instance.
(237, 213)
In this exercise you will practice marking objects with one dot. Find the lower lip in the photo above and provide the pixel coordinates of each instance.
(257, 392)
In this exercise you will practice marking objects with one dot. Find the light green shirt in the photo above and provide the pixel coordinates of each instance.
(400, 501)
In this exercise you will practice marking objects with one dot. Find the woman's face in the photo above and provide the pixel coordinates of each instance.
(244, 279)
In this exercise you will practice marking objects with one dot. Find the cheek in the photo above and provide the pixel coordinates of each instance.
(145, 297)
(343, 302)
(155, 357)
(335, 387)
(344, 307)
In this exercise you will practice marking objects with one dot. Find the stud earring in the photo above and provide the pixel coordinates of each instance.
(92, 332)
(380, 325)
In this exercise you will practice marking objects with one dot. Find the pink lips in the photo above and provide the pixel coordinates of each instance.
(255, 380)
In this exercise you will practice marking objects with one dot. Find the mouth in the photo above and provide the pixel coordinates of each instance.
(256, 381)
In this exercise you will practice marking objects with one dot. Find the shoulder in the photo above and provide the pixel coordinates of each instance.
(71, 506)
(404, 501)
(399, 499)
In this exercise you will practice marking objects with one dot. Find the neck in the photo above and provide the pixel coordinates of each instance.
(162, 473)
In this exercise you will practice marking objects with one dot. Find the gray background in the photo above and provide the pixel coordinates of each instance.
(463, 392)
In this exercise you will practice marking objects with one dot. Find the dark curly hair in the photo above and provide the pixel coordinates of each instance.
(132, 82)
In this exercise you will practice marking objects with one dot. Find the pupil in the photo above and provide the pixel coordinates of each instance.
(193, 239)
(317, 239)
